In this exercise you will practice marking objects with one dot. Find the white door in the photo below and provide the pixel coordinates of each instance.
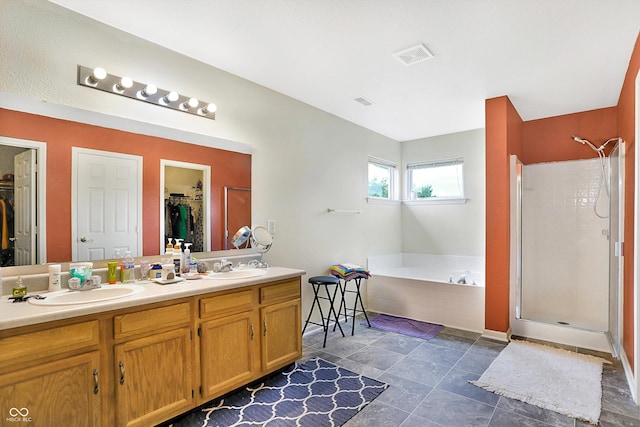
(107, 207)
(24, 225)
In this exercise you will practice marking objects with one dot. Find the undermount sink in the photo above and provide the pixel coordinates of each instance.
(105, 293)
(239, 274)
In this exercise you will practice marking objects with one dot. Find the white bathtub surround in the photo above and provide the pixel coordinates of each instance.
(417, 286)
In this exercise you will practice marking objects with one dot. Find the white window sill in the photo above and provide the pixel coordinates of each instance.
(381, 201)
(437, 201)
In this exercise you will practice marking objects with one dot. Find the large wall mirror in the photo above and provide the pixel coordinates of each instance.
(165, 161)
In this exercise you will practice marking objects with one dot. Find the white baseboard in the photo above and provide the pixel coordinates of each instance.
(497, 335)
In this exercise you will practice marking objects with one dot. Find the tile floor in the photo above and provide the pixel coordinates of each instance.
(429, 382)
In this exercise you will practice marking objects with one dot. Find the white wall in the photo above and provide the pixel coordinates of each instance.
(304, 160)
(448, 229)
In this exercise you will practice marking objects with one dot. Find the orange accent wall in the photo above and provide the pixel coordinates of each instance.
(227, 169)
(503, 137)
(549, 139)
(626, 118)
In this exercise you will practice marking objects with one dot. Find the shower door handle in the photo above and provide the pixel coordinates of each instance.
(618, 249)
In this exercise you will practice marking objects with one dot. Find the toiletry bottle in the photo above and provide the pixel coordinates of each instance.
(186, 258)
(128, 266)
(54, 277)
(118, 257)
(20, 290)
(177, 256)
(169, 247)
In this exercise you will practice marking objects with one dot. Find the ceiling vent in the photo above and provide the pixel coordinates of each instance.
(413, 55)
(364, 101)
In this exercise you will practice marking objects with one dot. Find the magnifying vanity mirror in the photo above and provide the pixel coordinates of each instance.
(259, 238)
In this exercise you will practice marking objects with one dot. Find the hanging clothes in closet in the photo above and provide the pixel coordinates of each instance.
(180, 222)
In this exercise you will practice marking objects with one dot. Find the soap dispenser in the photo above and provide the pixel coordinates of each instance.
(186, 258)
(20, 290)
(169, 247)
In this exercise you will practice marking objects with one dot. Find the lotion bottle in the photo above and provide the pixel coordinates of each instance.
(54, 277)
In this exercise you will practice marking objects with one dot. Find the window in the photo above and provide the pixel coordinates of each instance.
(381, 179)
(440, 179)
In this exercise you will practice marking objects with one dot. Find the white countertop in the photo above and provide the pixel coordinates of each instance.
(13, 315)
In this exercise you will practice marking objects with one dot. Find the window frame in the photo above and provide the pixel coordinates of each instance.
(411, 199)
(393, 174)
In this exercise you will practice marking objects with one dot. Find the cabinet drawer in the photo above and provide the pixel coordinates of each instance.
(282, 291)
(33, 345)
(223, 305)
(151, 320)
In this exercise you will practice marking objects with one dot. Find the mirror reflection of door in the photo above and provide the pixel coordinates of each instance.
(237, 211)
(185, 208)
(21, 237)
(107, 204)
(24, 218)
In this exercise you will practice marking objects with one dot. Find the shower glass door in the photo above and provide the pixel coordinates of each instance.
(615, 248)
(564, 247)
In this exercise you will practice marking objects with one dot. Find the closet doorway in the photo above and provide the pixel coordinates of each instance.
(185, 205)
(22, 202)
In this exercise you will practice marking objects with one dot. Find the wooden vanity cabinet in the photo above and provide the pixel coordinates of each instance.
(246, 334)
(281, 324)
(153, 364)
(51, 376)
(229, 337)
(144, 365)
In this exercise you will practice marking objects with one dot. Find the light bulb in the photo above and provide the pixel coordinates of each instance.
(209, 108)
(170, 97)
(124, 83)
(190, 103)
(149, 90)
(96, 75)
(99, 73)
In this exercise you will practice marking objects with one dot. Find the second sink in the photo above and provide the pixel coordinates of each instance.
(105, 293)
(239, 274)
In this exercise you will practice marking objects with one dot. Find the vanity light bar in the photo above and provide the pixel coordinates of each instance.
(98, 78)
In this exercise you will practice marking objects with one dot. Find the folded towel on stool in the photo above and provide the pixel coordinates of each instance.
(348, 271)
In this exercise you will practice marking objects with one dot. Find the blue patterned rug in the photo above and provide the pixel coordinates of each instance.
(311, 394)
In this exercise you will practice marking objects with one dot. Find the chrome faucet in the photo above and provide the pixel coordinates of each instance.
(225, 266)
(462, 279)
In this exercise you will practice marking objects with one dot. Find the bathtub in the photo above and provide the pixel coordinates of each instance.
(425, 287)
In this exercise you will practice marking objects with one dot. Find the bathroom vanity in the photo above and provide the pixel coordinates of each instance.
(146, 358)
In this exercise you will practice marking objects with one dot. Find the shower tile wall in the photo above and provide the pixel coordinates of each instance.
(565, 256)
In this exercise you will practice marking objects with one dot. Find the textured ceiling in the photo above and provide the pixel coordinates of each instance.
(551, 57)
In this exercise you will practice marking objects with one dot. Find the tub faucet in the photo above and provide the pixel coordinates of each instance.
(463, 279)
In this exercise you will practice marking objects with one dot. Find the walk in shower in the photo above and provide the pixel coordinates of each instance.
(567, 221)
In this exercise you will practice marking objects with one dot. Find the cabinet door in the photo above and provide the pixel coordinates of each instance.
(228, 353)
(53, 394)
(281, 334)
(153, 378)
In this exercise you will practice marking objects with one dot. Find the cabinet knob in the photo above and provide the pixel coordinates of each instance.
(121, 365)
